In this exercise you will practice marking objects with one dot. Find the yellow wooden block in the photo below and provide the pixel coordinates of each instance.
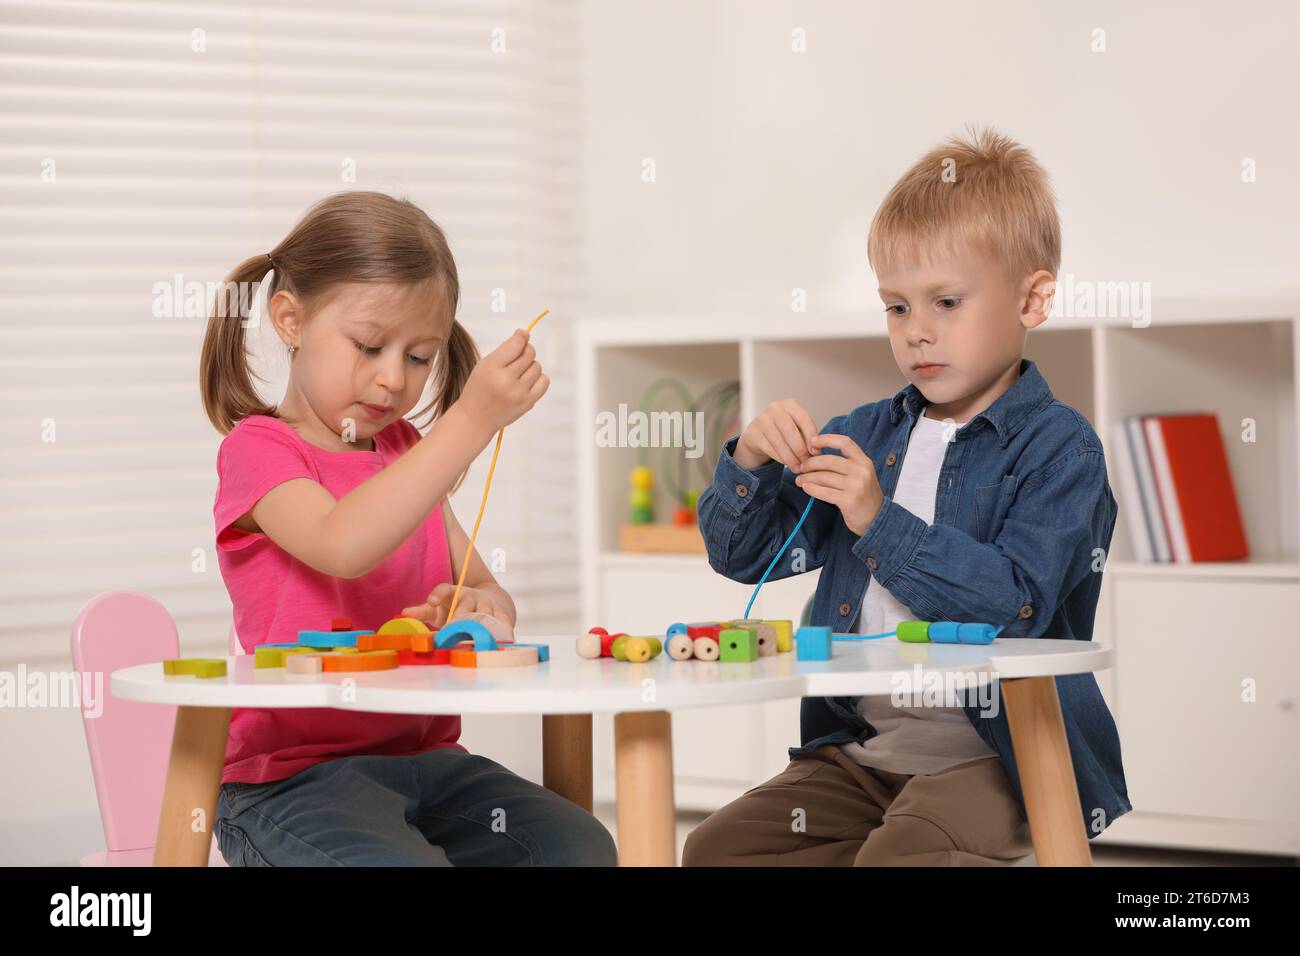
(195, 666)
(404, 625)
(784, 636)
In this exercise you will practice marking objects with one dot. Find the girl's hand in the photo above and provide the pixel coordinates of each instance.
(847, 480)
(434, 611)
(504, 384)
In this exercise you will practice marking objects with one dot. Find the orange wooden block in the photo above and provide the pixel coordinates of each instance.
(374, 661)
(463, 658)
(384, 642)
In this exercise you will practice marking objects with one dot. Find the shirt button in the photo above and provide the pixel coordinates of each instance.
(741, 490)
(844, 609)
(1026, 611)
(890, 458)
(872, 563)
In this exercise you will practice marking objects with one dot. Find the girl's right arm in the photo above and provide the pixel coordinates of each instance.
(348, 537)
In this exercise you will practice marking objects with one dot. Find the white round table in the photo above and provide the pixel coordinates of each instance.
(567, 690)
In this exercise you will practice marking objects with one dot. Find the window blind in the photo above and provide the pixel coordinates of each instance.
(143, 141)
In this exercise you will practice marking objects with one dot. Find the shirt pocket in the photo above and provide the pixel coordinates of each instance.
(992, 502)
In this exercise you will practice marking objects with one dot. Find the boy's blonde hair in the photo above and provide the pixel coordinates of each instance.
(354, 236)
(986, 193)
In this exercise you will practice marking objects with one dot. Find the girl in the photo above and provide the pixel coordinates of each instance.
(330, 504)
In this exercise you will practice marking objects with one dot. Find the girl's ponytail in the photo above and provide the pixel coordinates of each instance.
(225, 378)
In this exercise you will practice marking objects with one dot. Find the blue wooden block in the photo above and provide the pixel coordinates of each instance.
(543, 650)
(330, 638)
(977, 633)
(944, 632)
(457, 631)
(813, 644)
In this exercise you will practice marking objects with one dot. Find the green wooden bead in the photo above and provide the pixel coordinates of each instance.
(616, 649)
(914, 632)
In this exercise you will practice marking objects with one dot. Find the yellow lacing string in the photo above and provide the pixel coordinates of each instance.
(464, 566)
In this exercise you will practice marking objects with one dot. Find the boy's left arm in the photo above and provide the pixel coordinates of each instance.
(1061, 515)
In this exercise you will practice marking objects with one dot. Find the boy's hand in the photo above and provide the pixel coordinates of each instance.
(434, 611)
(847, 480)
(781, 432)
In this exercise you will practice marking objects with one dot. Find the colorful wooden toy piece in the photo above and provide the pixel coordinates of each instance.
(273, 655)
(341, 624)
(404, 624)
(681, 647)
(424, 657)
(607, 643)
(914, 632)
(589, 645)
(813, 643)
(506, 657)
(462, 657)
(764, 633)
(543, 651)
(678, 628)
(706, 648)
(459, 630)
(784, 635)
(303, 663)
(386, 641)
(616, 648)
(370, 661)
(704, 630)
(195, 667)
(737, 645)
(640, 649)
(327, 639)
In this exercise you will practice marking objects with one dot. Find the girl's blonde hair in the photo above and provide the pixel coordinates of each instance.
(354, 236)
(986, 193)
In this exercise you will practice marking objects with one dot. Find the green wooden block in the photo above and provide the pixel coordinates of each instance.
(268, 657)
(914, 632)
(737, 645)
(197, 666)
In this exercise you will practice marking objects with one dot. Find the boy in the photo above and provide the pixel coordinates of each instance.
(970, 495)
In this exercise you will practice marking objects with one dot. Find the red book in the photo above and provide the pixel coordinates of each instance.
(1197, 496)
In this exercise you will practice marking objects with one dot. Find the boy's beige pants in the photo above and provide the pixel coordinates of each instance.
(827, 810)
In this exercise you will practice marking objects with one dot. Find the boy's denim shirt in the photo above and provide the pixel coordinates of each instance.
(1022, 504)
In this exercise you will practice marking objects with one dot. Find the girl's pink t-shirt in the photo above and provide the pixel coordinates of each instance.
(275, 596)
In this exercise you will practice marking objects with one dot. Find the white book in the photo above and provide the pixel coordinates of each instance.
(1147, 483)
(1135, 513)
(1173, 514)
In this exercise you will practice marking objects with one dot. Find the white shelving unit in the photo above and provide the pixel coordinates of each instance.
(1206, 767)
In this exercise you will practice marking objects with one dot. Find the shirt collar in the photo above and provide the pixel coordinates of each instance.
(1007, 414)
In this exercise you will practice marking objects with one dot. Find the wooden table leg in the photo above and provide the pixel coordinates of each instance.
(566, 757)
(647, 815)
(1046, 772)
(193, 783)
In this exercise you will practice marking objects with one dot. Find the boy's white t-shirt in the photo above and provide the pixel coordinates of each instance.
(913, 739)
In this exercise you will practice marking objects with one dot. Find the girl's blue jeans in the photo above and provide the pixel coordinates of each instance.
(440, 808)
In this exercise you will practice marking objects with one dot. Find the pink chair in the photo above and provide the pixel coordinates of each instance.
(130, 742)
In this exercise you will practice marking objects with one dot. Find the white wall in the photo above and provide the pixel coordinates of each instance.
(771, 163)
